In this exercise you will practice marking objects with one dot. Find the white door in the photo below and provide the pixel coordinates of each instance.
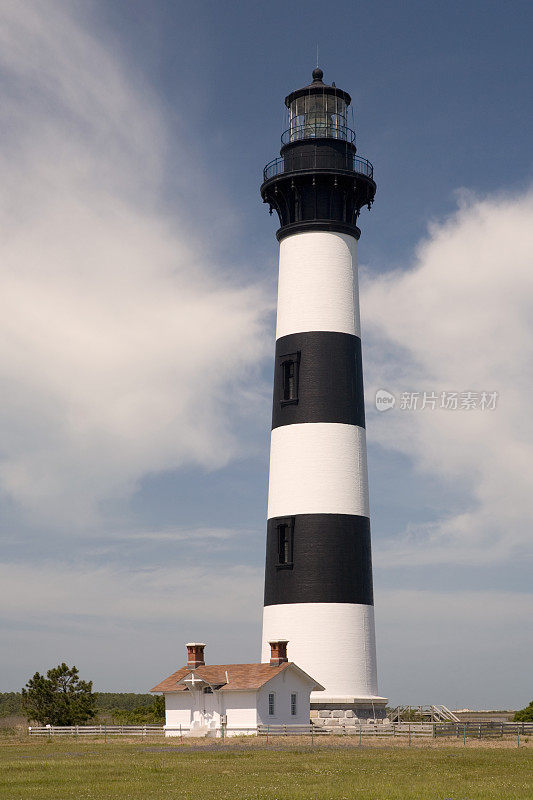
(197, 716)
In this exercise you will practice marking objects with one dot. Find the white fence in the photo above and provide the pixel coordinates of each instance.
(396, 729)
(406, 729)
(97, 730)
(367, 729)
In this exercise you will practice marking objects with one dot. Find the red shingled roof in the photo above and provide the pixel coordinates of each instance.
(241, 676)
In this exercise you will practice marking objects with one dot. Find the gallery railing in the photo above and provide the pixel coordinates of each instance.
(338, 162)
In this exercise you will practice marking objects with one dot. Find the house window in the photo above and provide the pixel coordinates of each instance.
(285, 529)
(271, 704)
(290, 368)
(208, 690)
(293, 705)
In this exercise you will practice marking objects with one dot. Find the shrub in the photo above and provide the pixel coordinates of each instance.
(525, 715)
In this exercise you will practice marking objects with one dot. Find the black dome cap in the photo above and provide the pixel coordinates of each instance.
(318, 87)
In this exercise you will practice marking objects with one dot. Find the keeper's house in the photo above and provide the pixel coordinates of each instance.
(202, 699)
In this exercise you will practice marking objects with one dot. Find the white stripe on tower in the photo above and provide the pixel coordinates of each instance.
(318, 486)
(318, 468)
(318, 286)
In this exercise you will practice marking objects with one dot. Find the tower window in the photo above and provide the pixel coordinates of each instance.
(289, 380)
(293, 705)
(285, 528)
(290, 367)
(271, 704)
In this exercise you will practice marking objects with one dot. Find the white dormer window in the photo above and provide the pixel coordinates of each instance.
(271, 704)
(193, 682)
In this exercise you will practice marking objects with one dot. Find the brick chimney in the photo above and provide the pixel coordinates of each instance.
(278, 652)
(195, 654)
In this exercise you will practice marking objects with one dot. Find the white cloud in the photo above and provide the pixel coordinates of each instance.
(197, 536)
(122, 344)
(461, 319)
(175, 593)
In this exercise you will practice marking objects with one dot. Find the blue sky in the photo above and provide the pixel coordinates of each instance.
(137, 327)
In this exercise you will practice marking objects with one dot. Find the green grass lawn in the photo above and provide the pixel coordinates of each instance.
(77, 768)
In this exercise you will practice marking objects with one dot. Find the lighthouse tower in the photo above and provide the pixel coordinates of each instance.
(318, 581)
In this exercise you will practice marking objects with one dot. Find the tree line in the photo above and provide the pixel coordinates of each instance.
(61, 698)
(11, 702)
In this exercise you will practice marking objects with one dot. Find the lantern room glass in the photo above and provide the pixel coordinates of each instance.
(317, 116)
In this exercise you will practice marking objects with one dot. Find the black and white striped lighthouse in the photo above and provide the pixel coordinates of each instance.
(318, 582)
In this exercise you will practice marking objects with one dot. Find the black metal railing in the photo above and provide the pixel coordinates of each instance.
(339, 162)
(318, 130)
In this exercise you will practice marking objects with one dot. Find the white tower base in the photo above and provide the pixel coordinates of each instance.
(337, 642)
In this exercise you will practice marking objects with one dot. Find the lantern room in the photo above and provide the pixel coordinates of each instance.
(318, 111)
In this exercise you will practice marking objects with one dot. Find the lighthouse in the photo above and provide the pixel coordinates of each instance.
(318, 575)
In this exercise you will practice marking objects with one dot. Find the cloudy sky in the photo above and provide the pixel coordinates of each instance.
(137, 300)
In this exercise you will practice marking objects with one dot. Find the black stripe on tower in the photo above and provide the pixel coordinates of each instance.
(318, 378)
(318, 558)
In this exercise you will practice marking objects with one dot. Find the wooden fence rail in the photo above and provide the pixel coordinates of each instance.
(465, 730)
(97, 730)
(398, 729)
(483, 729)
